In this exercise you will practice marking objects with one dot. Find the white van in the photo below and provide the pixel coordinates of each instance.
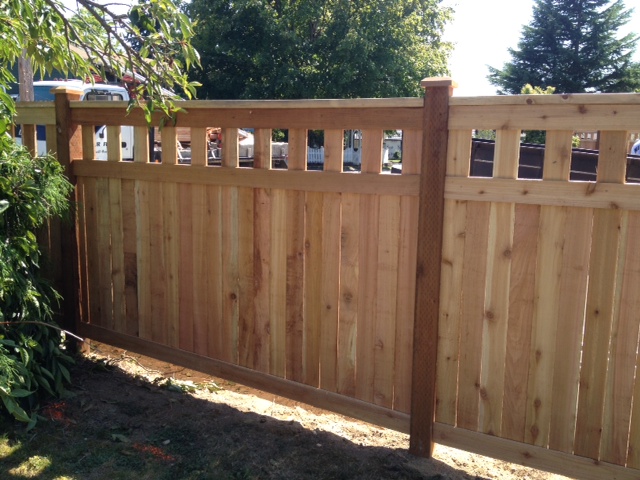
(96, 92)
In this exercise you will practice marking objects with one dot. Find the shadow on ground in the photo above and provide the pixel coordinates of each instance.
(122, 426)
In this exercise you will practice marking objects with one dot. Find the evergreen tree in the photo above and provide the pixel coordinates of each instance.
(573, 45)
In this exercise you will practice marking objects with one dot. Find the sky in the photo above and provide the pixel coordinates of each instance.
(483, 30)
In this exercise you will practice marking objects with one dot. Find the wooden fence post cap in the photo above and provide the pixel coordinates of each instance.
(66, 89)
(438, 82)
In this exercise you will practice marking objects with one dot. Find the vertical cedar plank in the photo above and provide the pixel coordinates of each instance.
(30, 139)
(246, 287)
(169, 145)
(472, 313)
(141, 145)
(144, 259)
(313, 273)
(199, 150)
(600, 308)
(262, 148)
(297, 149)
(411, 164)
(52, 140)
(186, 268)
(201, 274)
(130, 256)
(405, 306)
(628, 313)
(117, 255)
(88, 142)
(68, 144)
(412, 151)
(494, 341)
(114, 139)
(278, 287)
(231, 271)
(546, 301)
(571, 313)
(455, 216)
(576, 237)
(171, 240)
(521, 294)
(367, 295)
(158, 267)
(212, 257)
(104, 247)
(431, 212)
(295, 260)
(230, 148)
(494, 336)
(623, 349)
(262, 255)
(330, 288)
(331, 251)
(93, 251)
(349, 294)
(386, 297)
(333, 150)
(262, 280)
(83, 251)
(372, 151)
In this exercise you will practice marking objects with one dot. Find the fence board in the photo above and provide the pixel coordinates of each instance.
(386, 300)
(295, 284)
(103, 242)
(521, 306)
(187, 268)
(405, 306)
(278, 290)
(600, 297)
(330, 289)
(212, 256)
(313, 273)
(144, 260)
(234, 273)
(158, 268)
(171, 239)
(623, 349)
(245, 282)
(473, 310)
(201, 282)
(367, 291)
(262, 271)
(455, 216)
(569, 337)
(349, 294)
(117, 255)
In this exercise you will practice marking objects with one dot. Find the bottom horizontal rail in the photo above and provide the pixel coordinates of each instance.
(316, 397)
(529, 455)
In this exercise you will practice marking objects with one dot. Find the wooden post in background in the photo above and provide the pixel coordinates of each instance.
(431, 214)
(69, 143)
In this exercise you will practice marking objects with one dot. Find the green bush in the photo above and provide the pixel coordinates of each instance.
(33, 363)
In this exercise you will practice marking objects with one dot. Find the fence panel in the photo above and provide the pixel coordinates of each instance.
(535, 314)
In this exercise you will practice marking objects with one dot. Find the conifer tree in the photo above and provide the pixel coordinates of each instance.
(574, 46)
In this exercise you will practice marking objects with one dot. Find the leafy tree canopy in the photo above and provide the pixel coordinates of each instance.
(97, 39)
(574, 46)
(274, 49)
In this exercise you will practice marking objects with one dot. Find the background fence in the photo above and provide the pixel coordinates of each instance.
(505, 307)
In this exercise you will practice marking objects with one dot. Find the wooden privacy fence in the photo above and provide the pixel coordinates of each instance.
(495, 314)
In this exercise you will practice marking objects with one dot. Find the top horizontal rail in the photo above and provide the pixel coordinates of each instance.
(564, 99)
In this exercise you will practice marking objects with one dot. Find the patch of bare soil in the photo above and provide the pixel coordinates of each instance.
(218, 429)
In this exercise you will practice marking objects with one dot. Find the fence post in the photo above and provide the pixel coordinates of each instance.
(431, 213)
(69, 146)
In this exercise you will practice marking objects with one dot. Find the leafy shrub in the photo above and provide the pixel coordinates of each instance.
(33, 363)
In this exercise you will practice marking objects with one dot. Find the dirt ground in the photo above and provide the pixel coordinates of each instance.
(237, 432)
